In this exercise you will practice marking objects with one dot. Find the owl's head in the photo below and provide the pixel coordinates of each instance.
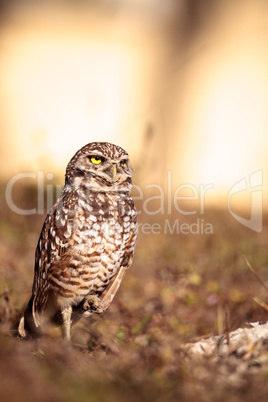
(101, 166)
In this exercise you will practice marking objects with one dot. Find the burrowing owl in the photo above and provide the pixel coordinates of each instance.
(87, 241)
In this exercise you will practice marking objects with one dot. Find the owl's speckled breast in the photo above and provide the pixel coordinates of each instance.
(100, 230)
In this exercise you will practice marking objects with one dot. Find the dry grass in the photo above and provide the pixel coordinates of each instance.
(180, 288)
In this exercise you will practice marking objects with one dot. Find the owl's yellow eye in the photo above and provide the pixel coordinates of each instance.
(96, 160)
(122, 163)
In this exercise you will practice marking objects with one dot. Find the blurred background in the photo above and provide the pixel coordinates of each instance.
(182, 85)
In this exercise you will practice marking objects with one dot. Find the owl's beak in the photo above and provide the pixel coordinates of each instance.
(111, 171)
(114, 172)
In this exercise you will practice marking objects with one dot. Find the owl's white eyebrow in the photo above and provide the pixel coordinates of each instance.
(95, 154)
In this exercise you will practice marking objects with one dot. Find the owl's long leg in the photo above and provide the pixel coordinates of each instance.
(66, 326)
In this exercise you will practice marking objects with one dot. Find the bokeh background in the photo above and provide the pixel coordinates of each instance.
(182, 85)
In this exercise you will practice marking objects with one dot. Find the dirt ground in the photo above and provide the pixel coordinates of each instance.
(181, 287)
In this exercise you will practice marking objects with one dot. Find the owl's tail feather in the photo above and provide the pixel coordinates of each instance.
(113, 288)
(29, 325)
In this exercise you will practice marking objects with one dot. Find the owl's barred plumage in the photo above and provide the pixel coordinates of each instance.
(87, 241)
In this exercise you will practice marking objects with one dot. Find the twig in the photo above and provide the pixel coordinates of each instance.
(261, 303)
(227, 322)
(254, 273)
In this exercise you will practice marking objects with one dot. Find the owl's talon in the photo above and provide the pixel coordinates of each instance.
(93, 304)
